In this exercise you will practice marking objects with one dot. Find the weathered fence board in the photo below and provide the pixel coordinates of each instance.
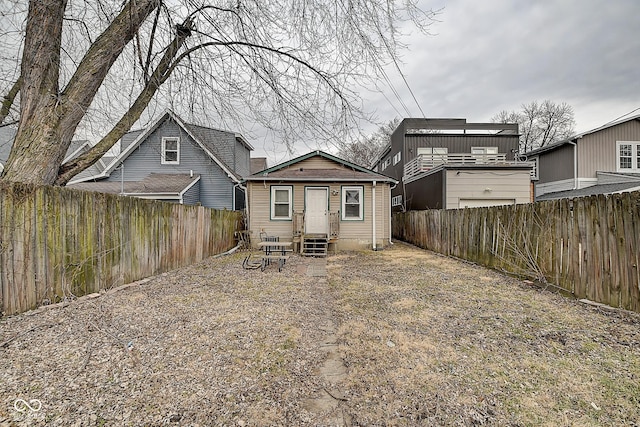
(587, 246)
(58, 243)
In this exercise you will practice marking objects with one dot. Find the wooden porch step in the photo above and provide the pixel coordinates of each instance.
(315, 246)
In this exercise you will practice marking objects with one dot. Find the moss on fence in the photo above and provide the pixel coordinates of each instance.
(58, 243)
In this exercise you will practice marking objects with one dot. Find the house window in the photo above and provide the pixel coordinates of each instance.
(484, 150)
(628, 156)
(397, 158)
(484, 154)
(433, 156)
(352, 203)
(281, 205)
(396, 200)
(170, 151)
(386, 163)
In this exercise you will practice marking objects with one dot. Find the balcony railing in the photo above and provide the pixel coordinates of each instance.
(425, 162)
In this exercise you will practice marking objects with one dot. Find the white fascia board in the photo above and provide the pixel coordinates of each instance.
(188, 187)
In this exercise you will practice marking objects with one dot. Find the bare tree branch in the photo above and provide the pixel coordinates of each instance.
(7, 100)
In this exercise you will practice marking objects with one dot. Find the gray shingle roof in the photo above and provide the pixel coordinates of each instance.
(591, 191)
(154, 183)
(258, 164)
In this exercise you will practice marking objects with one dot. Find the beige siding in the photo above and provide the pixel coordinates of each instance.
(353, 234)
(316, 162)
(505, 185)
(597, 151)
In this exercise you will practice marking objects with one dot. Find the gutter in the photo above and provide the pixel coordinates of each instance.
(373, 207)
(391, 211)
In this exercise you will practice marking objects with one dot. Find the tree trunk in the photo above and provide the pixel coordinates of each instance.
(48, 117)
(159, 76)
(34, 148)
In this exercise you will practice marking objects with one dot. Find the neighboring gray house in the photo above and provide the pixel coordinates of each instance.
(451, 164)
(604, 160)
(174, 161)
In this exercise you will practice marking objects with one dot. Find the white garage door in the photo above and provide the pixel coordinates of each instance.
(483, 203)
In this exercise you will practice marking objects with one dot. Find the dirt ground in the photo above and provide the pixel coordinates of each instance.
(399, 337)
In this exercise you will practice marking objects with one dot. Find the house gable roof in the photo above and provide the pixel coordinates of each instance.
(575, 138)
(142, 136)
(346, 171)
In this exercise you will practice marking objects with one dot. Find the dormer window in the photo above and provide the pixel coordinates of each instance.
(170, 151)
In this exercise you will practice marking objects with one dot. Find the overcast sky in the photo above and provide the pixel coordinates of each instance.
(488, 56)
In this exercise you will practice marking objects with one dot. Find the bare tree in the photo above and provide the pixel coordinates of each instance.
(365, 150)
(540, 124)
(293, 66)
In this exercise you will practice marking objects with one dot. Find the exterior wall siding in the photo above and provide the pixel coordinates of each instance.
(352, 233)
(556, 165)
(503, 185)
(192, 196)
(243, 160)
(597, 151)
(426, 192)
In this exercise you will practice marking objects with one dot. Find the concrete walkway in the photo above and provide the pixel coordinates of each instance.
(317, 267)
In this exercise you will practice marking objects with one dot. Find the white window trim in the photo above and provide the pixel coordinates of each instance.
(164, 161)
(397, 157)
(396, 200)
(272, 202)
(343, 203)
(535, 173)
(635, 153)
(484, 150)
(386, 163)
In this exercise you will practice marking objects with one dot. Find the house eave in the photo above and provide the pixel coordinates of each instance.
(460, 166)
(281, 179)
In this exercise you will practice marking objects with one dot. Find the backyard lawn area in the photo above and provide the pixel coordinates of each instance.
(399, 337)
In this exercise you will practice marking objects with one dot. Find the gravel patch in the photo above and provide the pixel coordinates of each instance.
(417, 339)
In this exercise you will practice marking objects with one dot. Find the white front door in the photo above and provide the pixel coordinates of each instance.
(316, 215)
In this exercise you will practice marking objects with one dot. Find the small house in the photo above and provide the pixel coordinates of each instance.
(319, 202)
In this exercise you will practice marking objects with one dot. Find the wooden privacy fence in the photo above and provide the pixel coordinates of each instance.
(58, 243)
(588, 246)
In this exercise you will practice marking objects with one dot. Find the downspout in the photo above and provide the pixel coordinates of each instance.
(122, 178)
(391, 213)
(575, 164)
(373, 209)
(246, 202)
